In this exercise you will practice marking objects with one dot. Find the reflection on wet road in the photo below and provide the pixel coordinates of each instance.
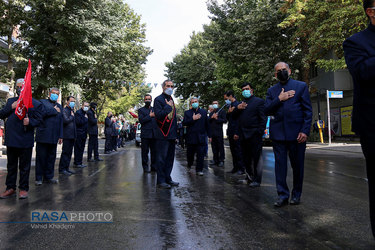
(209, 212)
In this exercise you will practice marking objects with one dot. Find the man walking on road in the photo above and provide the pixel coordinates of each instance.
(289, 103)
(147, 119)
(165, 135)
(69, 137)
(196, 121)
(48, 134)
(216, 120)
(360, 58)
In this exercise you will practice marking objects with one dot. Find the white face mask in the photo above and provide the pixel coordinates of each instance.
(85, 109)
(169, 91)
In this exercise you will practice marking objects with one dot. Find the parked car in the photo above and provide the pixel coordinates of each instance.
(138, 135)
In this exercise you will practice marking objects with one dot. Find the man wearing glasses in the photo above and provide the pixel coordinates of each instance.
(288, 102)
(360, 58)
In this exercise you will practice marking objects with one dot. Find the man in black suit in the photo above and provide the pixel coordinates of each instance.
(235, 146)
(108, 133)
(216, 120)
(48, 134)
(114, 134)
(251, 125)
(360, 57)
(196, 122)
(288, 102)
(81, 127)
(69, 137)
(146, 117)
(19, 139)
(92, 130)
(165, 135)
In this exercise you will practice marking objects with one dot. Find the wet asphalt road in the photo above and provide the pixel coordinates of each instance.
(210, 212)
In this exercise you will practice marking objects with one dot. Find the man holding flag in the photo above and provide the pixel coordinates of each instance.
(23, 114)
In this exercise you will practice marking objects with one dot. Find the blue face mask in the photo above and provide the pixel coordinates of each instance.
(195, 105)
(228, 102)
(54, 97)
(72, 104)
(215, 106)
(246, 93)
(169, 91)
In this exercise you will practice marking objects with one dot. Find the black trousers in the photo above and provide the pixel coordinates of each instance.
(368, 148)
(236, 151)
(108, 143)
(164, 152)
(251, 151)
(93, 146)
(217, 145)
(147, 145)
(79, 148)
(18, 158)
(297, 160)
(114, 143)
(66, 154)
(198, 149)
(45, 161)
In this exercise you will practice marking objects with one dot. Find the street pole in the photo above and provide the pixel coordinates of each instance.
(329, 120)
(319, 105)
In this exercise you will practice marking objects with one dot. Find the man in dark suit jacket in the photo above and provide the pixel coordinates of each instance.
(108, 133)
(197, 130)
(69, 137)
(19, 139)
(81, 127)
(360, 57)
(92, 130)
(165, 135)
(48, 134)
(146, 117)
(289, 103)
(251, 125)
(216, 120)
(232, 130)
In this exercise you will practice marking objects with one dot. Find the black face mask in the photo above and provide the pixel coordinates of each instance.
(18, 91)
(283, 76)
(147, 103)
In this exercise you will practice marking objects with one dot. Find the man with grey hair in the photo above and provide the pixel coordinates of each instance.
(288, 102)
(196, 121)
(165, 134)
(47, 136)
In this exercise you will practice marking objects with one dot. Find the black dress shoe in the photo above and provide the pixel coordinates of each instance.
(51, 181)
(164, 186)
(281, 202)
(232, 171)
(221, 164)
(38, 183)
(64, 172)
(107, 152)
(98, 159)
(173, 183)
(254, 184)
(79, 166)
(295, 201)
(71, 171)
(240, 172)
(90, 160)
(212, 162)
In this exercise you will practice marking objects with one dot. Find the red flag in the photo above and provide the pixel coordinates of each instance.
(25, 100)
(132, 114)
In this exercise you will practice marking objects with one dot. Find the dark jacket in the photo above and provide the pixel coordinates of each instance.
(251, 120)
(108, 126)
(81, 123)
(51, 129)
(161, 110)
(114, 131)
(92, 126)
(232, 122)
(196, 130)
(148, 124)
(360, 58)
(291, 117)
(16, 134)
(69, 129)
(216, 126)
